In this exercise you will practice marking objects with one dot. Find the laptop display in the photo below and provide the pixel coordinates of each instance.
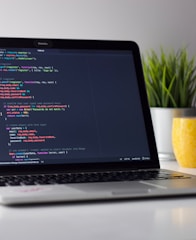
(66, 104)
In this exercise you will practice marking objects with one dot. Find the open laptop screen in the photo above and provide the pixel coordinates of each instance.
(60, 106)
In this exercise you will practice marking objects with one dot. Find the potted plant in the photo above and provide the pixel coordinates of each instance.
(171, 88)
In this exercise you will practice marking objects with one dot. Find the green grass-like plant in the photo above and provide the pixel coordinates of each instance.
(170, 79)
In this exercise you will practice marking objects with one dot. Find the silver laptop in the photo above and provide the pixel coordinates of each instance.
(75, 124)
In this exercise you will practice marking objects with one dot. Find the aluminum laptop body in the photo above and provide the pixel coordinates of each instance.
(77, 107)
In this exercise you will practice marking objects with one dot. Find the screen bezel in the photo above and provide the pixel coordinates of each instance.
(90, 44)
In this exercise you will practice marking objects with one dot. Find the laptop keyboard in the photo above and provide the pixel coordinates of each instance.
(88, 177)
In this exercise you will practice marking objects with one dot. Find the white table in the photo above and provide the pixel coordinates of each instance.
(156, 219)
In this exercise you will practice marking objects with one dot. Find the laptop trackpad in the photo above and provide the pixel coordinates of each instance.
(114, 187)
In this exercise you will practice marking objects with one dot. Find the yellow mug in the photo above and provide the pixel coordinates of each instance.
(184, 141)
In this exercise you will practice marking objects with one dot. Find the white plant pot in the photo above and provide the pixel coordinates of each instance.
(162, 123)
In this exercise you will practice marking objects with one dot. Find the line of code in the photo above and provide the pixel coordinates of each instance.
(17, 89)
(27, 69)
(16, 55)
(36, 154)
(18, 110)
(26, 134)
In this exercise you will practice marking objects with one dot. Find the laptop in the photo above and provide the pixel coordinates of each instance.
(75, 124)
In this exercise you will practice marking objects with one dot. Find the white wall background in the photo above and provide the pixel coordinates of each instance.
(170, 23)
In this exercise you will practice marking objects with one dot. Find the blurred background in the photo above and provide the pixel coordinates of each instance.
(151, 23)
